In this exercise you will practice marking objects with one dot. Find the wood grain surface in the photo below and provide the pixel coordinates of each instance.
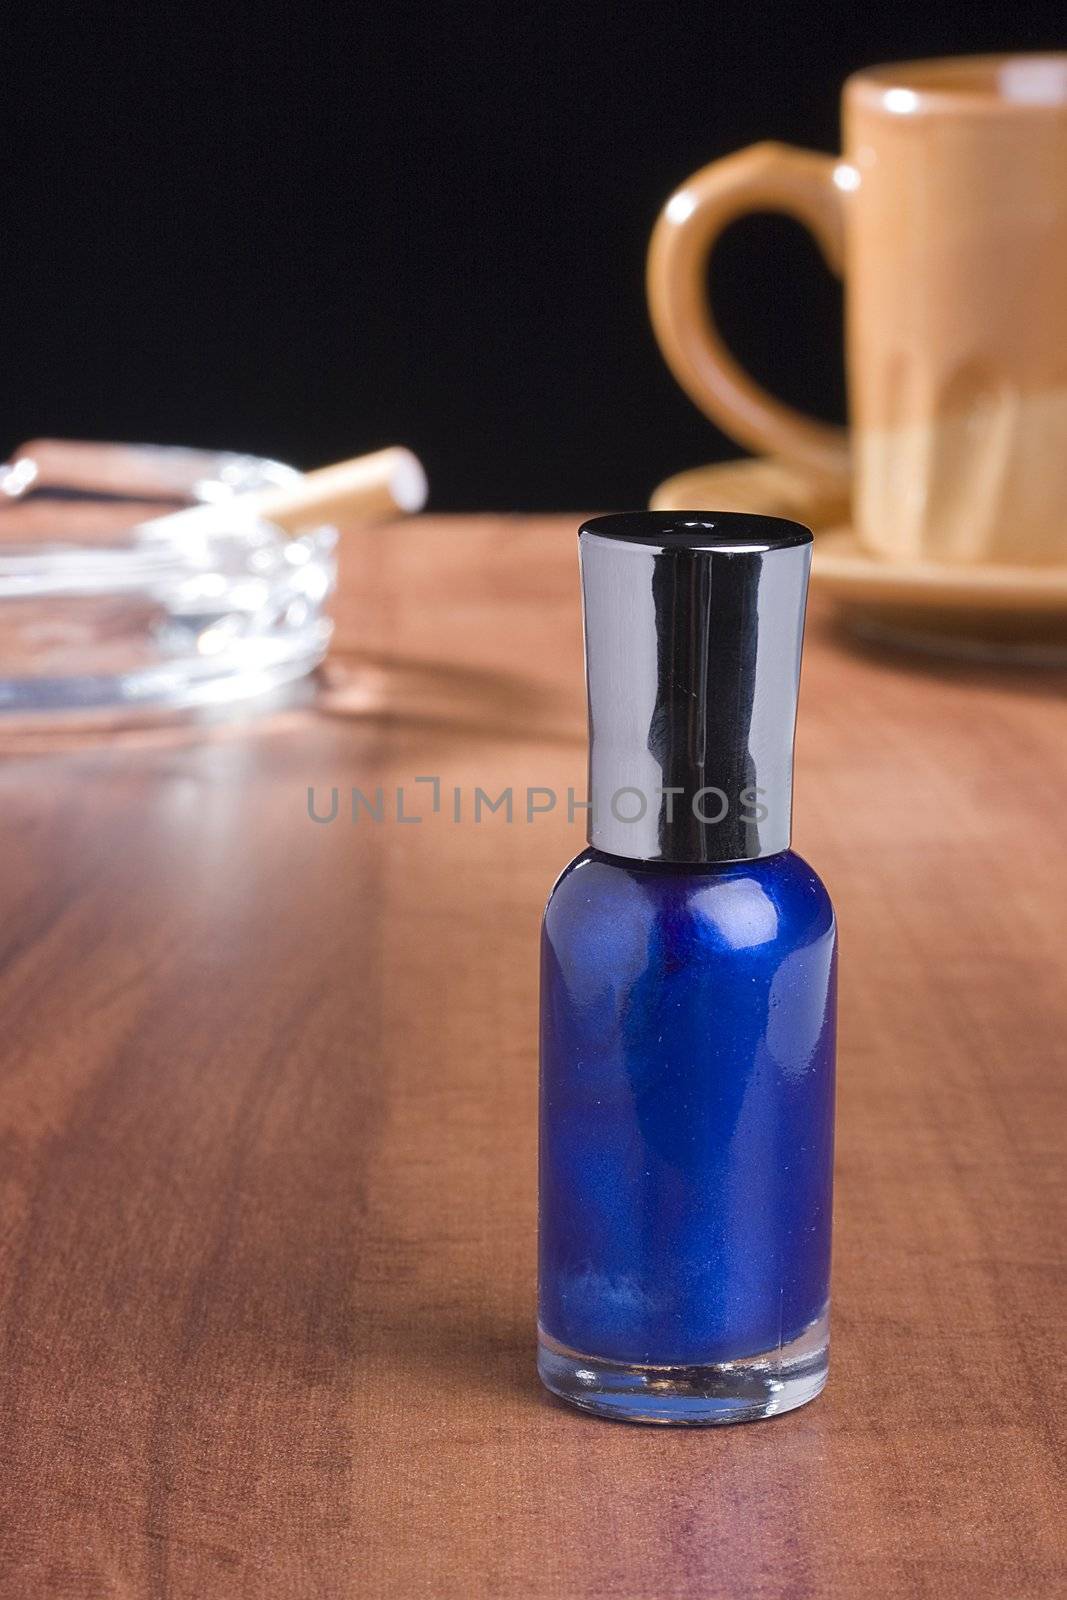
(267, 1123)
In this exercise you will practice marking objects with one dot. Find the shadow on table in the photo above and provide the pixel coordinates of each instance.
(992, 667)
(462, 699)
(476, 1358)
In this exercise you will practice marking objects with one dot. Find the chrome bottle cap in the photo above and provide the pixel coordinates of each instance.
(694, 622)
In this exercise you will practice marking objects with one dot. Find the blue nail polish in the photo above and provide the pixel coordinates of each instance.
(688, 995)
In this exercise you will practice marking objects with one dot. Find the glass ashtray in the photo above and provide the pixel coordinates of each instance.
(106, 612)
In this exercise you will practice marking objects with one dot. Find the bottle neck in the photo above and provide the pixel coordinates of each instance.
(695, 869)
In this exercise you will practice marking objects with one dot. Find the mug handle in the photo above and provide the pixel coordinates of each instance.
(765, 177)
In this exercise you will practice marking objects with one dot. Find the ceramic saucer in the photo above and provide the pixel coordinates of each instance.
(988, 612)
(765, 485)
(984, 612)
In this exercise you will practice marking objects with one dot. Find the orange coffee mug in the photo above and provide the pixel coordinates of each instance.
(947, 217)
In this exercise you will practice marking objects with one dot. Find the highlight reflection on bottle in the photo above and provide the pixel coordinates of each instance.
(688, 995)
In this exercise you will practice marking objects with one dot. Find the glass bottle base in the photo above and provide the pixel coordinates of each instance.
(698, 1396)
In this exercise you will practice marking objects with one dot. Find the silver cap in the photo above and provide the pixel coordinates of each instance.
(694, 622)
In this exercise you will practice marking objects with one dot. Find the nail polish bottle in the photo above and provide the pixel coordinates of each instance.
(688, 994)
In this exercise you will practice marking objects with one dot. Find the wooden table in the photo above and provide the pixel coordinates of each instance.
(268, 1134)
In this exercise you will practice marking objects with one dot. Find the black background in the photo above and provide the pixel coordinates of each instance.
(307, 233)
